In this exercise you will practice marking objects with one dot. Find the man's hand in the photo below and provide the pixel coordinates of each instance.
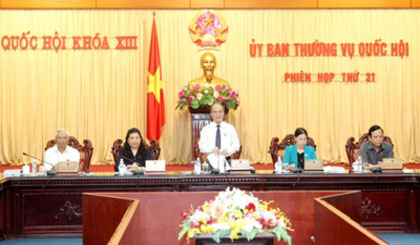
(216, 150)
(224, 152)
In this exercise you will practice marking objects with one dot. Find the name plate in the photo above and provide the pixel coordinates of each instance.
(155, 166)
(392, 163)
(240, 164)
(314, 164)
(67, 167)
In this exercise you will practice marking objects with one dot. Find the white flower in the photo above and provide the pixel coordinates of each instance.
(206, 91)
(251, 224)
(220, 226)
(216, 94)
(281, 224)
(199, 96)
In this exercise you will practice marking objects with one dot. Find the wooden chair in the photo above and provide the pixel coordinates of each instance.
(86, 151)
(153, 147)
(353, 148)
(277, 149)
(203, 156)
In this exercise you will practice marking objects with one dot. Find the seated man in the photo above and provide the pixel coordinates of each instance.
(61, 152)
(374, 150)
(218, 137)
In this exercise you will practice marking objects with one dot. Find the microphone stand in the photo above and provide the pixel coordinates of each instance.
(49, 172)
(135, 172)
(26, 154)
(226, 173)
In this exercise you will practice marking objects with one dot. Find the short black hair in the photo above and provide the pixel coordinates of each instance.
(374, 128)
(300, 131)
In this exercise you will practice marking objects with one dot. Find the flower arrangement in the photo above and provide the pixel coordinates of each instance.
(235, 213)
(207, 95)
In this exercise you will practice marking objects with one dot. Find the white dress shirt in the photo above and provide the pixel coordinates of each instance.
(229, 139)
(53, 156)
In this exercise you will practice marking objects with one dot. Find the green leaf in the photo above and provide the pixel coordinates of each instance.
(286, 236)
(211, 90)
(185, 229)
(281, 233)
(254, 232)
(195, 104)
(219, 234)
(246, 234)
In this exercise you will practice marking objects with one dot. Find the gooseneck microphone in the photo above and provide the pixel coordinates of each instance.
(49, 172)
(26, 154)
(135, 172)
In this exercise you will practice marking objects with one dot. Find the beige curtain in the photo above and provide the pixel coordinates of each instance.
(99, 94)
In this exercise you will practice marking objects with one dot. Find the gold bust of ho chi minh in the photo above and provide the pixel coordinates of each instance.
(208, 64)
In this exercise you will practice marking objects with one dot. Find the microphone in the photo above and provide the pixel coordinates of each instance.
(49, 172)
(26, 154)
(377, 170)
(135, 172)
(128, 159)
(297, 170)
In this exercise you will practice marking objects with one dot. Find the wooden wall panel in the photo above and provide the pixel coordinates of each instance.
(143, 4)
(207, 4)
(48, 4)
(213, 4)
(363, 4)
(268, 4)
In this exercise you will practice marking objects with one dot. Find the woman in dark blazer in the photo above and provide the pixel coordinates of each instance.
(134, 152)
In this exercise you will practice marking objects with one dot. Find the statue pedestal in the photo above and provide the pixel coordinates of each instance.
(199, 118)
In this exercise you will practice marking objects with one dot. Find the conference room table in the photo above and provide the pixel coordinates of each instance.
(52, 206)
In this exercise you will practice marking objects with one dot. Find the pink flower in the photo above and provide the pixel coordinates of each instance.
(197, 86)
(220, 98)
(232, 93)
(191, 98)
(191, 92)
(185, 88)
(180, 94)
(229, 98)
(218, 87)
(183, 100)
(237, 101)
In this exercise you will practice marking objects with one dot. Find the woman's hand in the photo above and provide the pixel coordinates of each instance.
(134, 166)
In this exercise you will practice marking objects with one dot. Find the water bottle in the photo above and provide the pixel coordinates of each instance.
(34, 168)
(354, 167)
(197, 166)
(278, 164)
(285, 166)
(359, 164)
(122, 167)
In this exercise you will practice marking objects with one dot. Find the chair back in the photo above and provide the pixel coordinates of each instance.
(277, 148)
(153, 147)
(353, 148)
(86, 151)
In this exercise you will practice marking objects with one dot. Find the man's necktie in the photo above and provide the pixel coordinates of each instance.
(218, 138)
